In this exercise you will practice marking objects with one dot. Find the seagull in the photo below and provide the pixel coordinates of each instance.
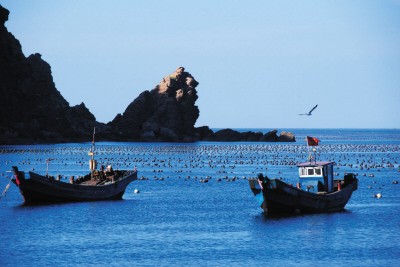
(309, 113)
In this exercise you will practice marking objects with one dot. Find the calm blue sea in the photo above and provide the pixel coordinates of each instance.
(176, 220)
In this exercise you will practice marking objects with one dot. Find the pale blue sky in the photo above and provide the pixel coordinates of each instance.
(259, 63)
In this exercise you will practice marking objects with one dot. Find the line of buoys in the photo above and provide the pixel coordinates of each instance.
(222, 162)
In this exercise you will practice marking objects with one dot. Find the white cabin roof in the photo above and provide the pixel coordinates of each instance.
(316, 164)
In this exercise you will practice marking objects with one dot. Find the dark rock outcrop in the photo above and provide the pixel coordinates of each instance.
(226, 135)
(166, 113)
(270, 137)
(204, 132)
(229, 135)
(286, 137)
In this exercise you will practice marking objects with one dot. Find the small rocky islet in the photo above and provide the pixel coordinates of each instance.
(34, 111)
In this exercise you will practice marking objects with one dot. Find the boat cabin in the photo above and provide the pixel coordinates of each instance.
(316, 176)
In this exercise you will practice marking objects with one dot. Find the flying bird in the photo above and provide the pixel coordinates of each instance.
(309, 113)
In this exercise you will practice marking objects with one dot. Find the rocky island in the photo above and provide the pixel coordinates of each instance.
(34, 111)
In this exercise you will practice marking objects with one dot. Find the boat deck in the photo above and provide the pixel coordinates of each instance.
(90, 182)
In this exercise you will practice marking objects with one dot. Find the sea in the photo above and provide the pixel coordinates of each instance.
(171, 216)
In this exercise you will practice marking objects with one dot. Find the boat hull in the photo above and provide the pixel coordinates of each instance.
(281, 198)
(40, 189)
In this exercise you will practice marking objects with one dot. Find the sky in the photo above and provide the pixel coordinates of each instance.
(259, 63)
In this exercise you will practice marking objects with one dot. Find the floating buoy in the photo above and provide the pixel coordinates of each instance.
(395, 182)
(379, 195)
(136, 191)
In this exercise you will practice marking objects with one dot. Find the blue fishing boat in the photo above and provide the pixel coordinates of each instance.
(316, 191)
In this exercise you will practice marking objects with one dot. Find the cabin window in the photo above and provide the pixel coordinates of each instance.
(318, 171)
(310, 171)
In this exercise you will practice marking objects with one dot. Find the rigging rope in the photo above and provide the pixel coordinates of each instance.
(5, 190)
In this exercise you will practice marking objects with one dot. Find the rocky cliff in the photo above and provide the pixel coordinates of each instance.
(34, 111)
(32, 108)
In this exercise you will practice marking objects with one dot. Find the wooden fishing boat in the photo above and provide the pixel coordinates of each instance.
(316, 192)
(42, 189)
(103, 184)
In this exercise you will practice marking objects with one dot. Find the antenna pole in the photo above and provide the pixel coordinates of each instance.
(47, 167)
(309, 152)
(315, 155)
(94, 132)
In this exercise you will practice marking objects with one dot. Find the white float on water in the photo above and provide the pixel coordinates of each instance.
(136, 191)
(379, 195)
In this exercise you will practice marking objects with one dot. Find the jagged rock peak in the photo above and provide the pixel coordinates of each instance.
(179, 84)
(3, 15)
(166, 113)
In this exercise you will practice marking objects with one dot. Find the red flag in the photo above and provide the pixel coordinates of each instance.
(17, 180)
(312, 141)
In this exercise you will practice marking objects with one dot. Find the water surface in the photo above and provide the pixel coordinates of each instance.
(178, 220)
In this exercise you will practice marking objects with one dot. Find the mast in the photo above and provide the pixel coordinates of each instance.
(315, 155)
(312, 142)
(47, 167)
(92, 161)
